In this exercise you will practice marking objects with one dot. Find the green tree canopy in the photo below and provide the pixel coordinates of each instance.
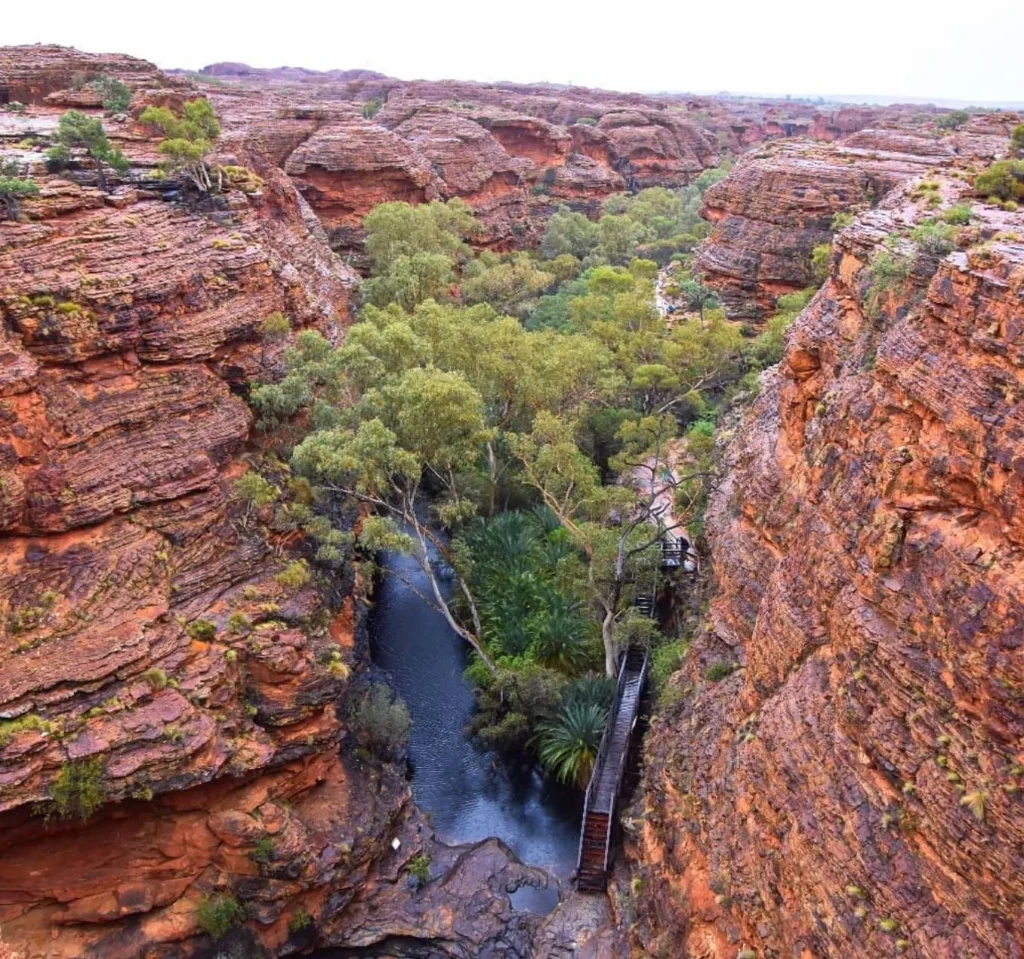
(188, 139)
(78, 131)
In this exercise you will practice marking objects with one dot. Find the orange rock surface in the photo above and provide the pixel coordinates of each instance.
(853, 788)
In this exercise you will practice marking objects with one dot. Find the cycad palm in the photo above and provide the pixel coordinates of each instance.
(569, 744)
(559, 634)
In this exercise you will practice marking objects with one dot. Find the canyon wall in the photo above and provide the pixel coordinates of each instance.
(171, 709)
(837, 770)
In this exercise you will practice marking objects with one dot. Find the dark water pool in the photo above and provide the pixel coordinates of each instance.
(468, 794)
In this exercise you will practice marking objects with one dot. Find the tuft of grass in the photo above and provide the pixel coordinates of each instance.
(202, 629)
(975, 802)
(156, 678)
(294, 576)
(9, 728)
(218, 915)
(78, 790)
(718, 671)
(299, 921)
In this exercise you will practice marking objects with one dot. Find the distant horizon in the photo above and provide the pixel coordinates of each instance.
(852, 99)
(906, 52)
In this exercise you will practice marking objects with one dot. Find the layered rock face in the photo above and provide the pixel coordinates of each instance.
(55, 74)
(779, 202)
(853, 788)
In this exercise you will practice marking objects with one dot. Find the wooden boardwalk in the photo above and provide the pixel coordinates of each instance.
(606, 780)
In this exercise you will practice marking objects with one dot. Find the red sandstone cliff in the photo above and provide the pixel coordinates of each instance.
(779, 201)
(130, 324)
(854, 788)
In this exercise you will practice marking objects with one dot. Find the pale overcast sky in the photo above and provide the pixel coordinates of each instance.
(891, 48)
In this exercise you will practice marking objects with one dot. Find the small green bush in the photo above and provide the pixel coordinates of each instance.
(239, 623)
(371, 108)
(419, 869)
(665, 660)
(587, 122)
(156, 678)
(1017, 141)
(841, 221)
(953, 121)
(14, 188)
(116, 96)
(202, 629)
(255, 490)
(959, 215)
(294, 576)
(381, 721)
(821, 257)
(218, 915)
(934, 237)
(78, 790)
(300, 921)
(1004, 180)
(718, 671)
(275, 328)
(889, 271)
(263, 850)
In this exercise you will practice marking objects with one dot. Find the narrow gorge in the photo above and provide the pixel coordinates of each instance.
(367, 386)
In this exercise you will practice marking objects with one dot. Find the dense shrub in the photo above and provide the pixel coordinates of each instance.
(1017, 141)
(371, 108)
(935, 238)
(1004, 180)
(959, 215)
(202, 629)
(888, 272)
(116, 96)
(254, 490)
(718, 671)
(380, 721)
(294, 576)
(821, 257)
(953, 121)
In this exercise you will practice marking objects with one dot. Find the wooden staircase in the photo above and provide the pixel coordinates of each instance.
(606, 780)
